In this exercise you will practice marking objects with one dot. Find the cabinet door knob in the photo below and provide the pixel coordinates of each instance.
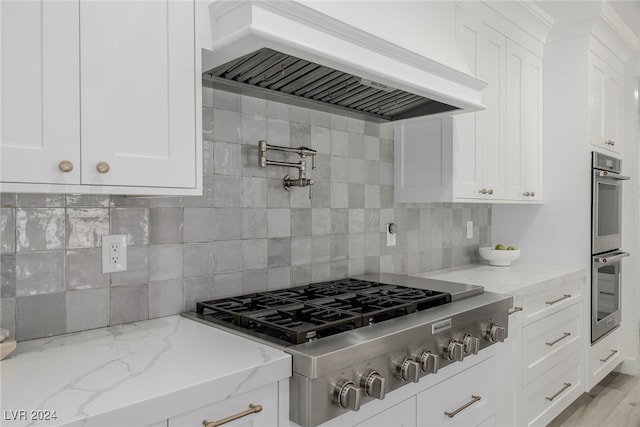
(485, 191)
(533, 194)
(65, 166)
(490, 191)
(526, 194)
(610, 142)
(103, 167)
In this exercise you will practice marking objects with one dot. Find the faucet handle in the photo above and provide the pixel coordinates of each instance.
(310, 185)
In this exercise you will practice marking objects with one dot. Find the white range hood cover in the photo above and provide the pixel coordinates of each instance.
(242, 28)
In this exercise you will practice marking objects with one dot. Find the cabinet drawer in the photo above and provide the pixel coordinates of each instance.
(539, 305)
(603, 357)
(266, 396)
(474, 387)
(550, 394)
(546, 342)
(401, 415)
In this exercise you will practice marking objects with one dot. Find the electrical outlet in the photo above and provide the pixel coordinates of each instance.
(114, 253)
(469, 229)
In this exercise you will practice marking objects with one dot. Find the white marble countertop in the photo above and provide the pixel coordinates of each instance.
(134, 374)
(519, 277)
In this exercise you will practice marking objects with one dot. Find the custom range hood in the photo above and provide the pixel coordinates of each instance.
(289, 52)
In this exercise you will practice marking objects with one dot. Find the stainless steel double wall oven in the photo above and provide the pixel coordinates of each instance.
(606, 244)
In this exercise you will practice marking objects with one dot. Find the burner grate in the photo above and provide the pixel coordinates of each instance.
(304, 313)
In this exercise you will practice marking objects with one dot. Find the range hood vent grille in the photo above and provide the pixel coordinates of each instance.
(289, 76)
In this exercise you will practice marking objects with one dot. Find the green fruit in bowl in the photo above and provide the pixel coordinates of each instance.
(499, 247)
(511, 248)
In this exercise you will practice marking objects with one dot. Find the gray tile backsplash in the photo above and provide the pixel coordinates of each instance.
(245, 234)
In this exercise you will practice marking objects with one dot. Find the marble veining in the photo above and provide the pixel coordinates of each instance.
(517, 277)
(136, 374)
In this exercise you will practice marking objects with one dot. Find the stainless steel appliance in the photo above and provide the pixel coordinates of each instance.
(354, 340)
(606, 241)
(606, 214)
(292, 53)
(605, 297)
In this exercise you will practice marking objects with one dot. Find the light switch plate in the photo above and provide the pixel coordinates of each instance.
(114, 253)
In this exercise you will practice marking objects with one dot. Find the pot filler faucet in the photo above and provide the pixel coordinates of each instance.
(289, 182)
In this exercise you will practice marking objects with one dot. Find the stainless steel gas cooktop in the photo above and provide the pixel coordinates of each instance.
(385, 329)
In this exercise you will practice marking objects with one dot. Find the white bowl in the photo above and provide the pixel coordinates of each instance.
(500, 258)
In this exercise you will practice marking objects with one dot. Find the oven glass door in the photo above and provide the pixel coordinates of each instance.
(605, 293)
(607, 213)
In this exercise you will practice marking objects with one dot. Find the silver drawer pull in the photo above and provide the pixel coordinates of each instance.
(515, 310)
(613, 353)
(474, 399)
(566, 386)
(565, 296)
(253, 409)
(566, 334)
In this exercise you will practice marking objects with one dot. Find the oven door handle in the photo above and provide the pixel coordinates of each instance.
(608, 259)
(616, 176)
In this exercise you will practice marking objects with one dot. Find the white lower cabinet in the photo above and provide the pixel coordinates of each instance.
(546, 342)
(551, 340)
(548, 395)
(401, 415)
(604, 356)
(466, 399)
(266, 397)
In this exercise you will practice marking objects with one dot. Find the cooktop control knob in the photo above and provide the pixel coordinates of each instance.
(495, 333)
(373, 384)
(347, 395)
(429, 362)
(455, 351)
(409, 370)
(471, 344)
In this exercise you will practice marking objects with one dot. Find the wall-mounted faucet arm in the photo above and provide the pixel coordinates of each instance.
(290, 182)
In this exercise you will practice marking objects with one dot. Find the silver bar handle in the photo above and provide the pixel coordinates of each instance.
(515, 310)
(613, 353)
(616, 176)
(473, 400)
(253, 409)
(564, 335)
(607, 259)
(566, 386)
(565, 296)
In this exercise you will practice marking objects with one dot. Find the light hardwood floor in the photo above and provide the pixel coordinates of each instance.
(614, 402)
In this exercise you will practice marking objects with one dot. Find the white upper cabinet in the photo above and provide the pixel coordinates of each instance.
(605, 101)
(480, 158)
(523, 125)
(109, 87)
(138, 94)
(40, 112)
(494, 155)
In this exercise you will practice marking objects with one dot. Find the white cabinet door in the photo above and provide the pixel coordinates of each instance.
(479, 154)
(266, 397)
(39, 115)
(401, 415)
(137, 62)
(523, 124)
(466, 399)
(605, 98)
